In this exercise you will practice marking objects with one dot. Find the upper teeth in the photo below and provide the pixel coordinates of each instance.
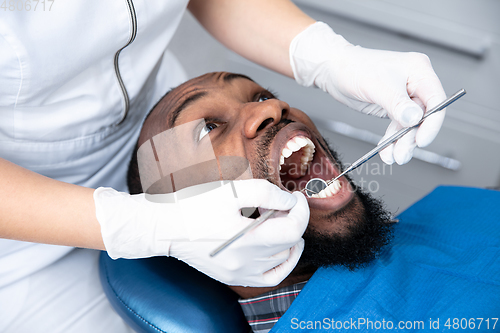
(296, 144)
(330, 191)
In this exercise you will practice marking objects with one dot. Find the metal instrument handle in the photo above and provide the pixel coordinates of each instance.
(396, 136)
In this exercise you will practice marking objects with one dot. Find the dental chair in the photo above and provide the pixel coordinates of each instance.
(163, 294)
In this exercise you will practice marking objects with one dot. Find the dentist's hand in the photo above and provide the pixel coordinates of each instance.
(381, 83)
(203, 217)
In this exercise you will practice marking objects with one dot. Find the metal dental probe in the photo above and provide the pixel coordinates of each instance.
(353, 166)
(397, 135)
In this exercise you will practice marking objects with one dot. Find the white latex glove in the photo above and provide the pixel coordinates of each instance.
(189, 229)
(382, 83)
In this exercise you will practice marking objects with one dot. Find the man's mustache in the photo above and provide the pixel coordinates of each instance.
(271, 132)
(261, 167)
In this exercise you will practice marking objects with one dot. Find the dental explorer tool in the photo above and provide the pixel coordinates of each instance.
(353, 166)
(259, 220)
(397, 136)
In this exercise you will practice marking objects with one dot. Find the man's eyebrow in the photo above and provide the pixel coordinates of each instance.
(227, 79)
(185, 103)
(231, 76)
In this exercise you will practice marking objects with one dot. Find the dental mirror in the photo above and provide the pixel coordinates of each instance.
(315, 185)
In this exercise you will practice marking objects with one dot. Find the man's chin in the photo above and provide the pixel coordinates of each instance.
(361, 231)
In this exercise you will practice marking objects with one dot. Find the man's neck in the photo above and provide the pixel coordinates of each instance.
(248, 292)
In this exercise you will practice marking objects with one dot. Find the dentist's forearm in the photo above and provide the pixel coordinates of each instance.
(35, 208)
(259, 30)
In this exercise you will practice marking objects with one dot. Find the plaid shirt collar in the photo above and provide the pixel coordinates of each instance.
(263, 311)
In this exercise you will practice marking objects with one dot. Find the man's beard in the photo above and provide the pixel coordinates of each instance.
(368, 231)
(366, 224)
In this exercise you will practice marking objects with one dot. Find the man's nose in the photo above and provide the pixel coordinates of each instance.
(260, 115)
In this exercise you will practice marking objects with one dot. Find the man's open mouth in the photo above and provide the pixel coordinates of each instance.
(297, 167)
(301, 159)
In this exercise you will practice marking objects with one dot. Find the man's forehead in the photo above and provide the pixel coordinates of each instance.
(202, 84)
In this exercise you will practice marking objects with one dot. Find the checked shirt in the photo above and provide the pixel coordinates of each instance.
(263, 311)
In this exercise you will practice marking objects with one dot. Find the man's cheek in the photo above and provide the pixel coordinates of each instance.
(196, 174)
(234, 168)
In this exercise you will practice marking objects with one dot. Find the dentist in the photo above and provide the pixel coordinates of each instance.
(76, 81)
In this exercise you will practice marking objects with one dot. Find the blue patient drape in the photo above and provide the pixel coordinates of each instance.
(441, 273)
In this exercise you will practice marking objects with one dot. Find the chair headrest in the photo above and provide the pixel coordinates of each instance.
(163, 294)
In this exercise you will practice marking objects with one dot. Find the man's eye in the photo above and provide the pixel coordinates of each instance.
(264, 96)
(207, 129)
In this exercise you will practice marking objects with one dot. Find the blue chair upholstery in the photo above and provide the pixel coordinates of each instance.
(164, 294)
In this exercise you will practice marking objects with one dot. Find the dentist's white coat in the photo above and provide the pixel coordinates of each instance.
(63, 115)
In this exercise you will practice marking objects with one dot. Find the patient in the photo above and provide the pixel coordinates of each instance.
(348, 228)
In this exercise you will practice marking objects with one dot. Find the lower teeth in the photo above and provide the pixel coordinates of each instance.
(330, 191)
